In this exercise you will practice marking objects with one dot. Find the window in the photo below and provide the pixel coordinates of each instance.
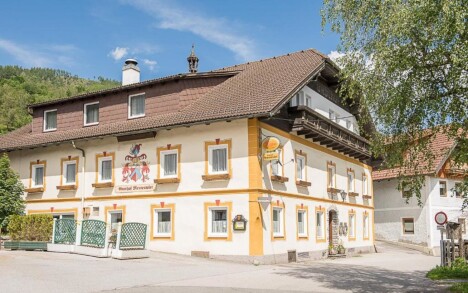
(63, 216)
(277, 166)
(352, 226)
(50, 120)
(218, 222)
(136, 106)
(91, 114)
(320, 223)
(38, 174)
(277, 222)
(169, 164)
(302, 223)
(405, 190)
(69, 172)
(457, 191)
(95, 211)
(298, 99)
(116, 218)
(366, 226)
(218, 159)
(163, 225)
(301, 168)
(350, 180)
(365, 185)
(443, 188)
(331, 172)
(105, 169)
(408, 225)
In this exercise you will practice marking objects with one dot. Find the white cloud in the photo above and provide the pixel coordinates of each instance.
(150, 63)
(118, 53)
(335, 56)
(215, 30)
(27, 57)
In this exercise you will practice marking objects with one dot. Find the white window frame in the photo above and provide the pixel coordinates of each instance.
(210, 158)
(280, 219)
(156, 219)
(331, 176)
(440, 186)
(65, 169)
(163, 158)
(303, 170)
(321, 228)
(33, 175)
(403, 227)
(85, 114)
(100, 160)
(210, 221)
(352, 225)
(130, 106)
(351, 182)
(45, 120)
(305, 221)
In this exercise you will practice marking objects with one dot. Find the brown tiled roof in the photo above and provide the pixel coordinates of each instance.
(256, 89)
(440, 146)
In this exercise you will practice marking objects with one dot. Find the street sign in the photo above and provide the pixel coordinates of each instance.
(440, 218)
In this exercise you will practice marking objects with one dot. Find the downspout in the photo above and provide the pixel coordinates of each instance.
(84, 177)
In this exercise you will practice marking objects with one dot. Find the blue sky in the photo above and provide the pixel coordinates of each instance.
(93, 38)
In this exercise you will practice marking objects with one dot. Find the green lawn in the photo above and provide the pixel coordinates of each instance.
(458, 270)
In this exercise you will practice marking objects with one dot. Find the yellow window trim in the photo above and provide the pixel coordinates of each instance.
(364, 215)
(159, 150)
(351, 171)
(275, 204)
(69, 159)
(302, 154)
(227, 142)
(352, 212)
(167, 206)
(322, 210)
(31, 165)
(228, 205)
(103, 155)
(306, 209)
(109, 209)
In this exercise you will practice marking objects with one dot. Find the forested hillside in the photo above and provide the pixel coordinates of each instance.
(20, 87)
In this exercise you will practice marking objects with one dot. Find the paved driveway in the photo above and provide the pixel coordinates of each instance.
(394, 269)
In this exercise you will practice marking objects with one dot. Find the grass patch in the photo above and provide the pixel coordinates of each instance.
(458, 270)
(459, 288)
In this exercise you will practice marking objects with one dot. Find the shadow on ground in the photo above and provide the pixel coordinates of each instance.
(364, 279)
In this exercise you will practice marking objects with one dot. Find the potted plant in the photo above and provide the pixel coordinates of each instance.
(331, 249)
(341, 249)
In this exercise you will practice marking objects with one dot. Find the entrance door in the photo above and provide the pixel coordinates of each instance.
(116, 218)
(330, 227)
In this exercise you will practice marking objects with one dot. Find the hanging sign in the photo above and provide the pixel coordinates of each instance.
(270, 145)
(440, 218)
(239, 223)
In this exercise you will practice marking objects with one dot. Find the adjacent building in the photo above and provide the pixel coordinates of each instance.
(411, 223)
(246, 162)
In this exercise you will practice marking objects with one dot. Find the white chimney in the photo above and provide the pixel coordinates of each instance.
(130, 72)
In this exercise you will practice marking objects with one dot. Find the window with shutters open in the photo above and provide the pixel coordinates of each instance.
(91, 114)
(136, 106)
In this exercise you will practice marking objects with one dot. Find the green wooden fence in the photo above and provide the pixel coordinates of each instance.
(65, 231)
(133, 236)
(93, 233)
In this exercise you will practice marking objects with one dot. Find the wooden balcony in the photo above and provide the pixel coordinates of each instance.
(322, 130)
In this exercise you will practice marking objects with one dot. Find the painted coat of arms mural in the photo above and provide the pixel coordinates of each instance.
(136, 169)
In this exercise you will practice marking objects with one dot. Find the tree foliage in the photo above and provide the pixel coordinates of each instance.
(408, 60)
(20, 87)
(11, 192)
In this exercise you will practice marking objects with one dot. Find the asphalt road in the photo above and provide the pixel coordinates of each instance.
(393, 269)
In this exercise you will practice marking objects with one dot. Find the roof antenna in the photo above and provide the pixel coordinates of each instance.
(193, 61)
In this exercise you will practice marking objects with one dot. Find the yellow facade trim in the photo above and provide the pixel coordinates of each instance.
(227, 142)
(109, 209)
(167, 206)
(276, 204)
(324, 218)
(313, 145)
(31, 165)
(352, 213)
(228, 206)
(306, 210)
(73, 211)
(255, 186)
(69, 159)
(103, 155)
(176, 147)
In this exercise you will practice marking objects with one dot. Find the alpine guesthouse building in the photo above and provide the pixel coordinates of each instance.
(245, 162)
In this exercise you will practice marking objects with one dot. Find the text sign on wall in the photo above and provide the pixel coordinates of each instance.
(134, 188)
(270, 146)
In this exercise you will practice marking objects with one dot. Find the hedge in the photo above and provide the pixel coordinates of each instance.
(31, 227)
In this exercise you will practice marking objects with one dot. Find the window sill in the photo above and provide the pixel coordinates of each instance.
(365, 196)
(91, 124)
(50, 130)
(352, 238)
(103, 185)
(216, 177)
(136, 117)
(279, 237)
(66, 187)
(303, 183)
(354, 194)
(278, 178)
(333, 190)
(166, 180)
(34, 190)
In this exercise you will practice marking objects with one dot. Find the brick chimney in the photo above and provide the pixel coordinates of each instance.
(130, 72)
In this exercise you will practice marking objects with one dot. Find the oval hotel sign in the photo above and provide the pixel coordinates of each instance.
(270, 145)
